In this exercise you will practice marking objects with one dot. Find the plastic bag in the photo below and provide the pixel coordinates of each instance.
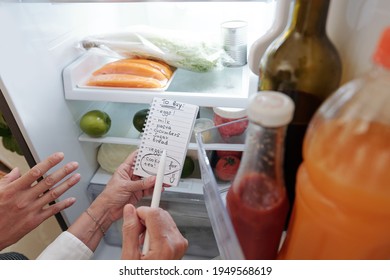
(178, 50)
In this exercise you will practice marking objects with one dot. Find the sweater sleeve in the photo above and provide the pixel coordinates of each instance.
(66, 247)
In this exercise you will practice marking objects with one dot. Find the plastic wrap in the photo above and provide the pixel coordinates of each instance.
(181, 50)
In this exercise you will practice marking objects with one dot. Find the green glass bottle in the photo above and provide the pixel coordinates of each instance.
(304, 64)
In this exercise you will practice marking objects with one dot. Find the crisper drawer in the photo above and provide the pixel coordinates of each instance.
(189, 213)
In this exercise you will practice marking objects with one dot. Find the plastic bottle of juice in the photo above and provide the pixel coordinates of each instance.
(257, 202)
(342, 206)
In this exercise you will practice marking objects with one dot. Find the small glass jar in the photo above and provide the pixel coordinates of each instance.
(224, 115)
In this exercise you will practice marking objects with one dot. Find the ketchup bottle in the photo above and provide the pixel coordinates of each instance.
(256, 202)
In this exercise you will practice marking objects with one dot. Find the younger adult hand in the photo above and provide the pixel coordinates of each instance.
(24, 201)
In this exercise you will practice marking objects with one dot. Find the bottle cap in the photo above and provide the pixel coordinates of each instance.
(382, 53)
(230, 113)
(270, 109)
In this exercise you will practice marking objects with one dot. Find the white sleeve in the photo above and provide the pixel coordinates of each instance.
(66, 247)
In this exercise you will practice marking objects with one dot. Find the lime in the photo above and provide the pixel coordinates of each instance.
(188, 167)
(139, 119)
(95, 123)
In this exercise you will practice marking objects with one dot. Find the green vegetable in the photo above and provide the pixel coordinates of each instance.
(199, 57)
(4, 129)
(110, 156)
(180, 51)
(10, 143)
(8, 140)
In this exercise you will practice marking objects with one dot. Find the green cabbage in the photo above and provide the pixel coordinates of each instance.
(110, 156)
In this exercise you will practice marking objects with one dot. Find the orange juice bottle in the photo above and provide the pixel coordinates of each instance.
(342, 206)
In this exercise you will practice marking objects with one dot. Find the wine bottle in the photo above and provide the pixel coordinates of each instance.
(304, 64)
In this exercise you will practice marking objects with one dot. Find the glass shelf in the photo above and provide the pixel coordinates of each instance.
(220, 88)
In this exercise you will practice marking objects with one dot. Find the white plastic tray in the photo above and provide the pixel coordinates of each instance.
(228, 87)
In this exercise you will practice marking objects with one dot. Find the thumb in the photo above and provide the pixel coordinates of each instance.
(131, 230)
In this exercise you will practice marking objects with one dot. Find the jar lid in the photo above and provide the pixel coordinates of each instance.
(230, 113)
(202, 124)
(270, 108)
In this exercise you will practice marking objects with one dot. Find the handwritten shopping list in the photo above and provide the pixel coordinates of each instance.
(168, 127)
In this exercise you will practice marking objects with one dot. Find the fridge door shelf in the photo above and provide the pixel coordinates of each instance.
(216, 88)
(215, 191)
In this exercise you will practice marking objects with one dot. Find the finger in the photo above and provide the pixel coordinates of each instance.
(10, 177)
(56, 192)
(148, 192)
(128, 164)
(57, 207)
(54, 178)
(131, 231)
(143, 184)
(151, 215)
(38, 171)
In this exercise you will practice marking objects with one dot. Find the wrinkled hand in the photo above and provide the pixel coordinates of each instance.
(24, 202)
(124, 187)
(166, 241)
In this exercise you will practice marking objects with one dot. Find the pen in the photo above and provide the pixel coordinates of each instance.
(156, 194)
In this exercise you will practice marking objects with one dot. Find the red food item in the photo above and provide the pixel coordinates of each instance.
(228, 115)
(258, 212)
(229, 153)
(227, 167)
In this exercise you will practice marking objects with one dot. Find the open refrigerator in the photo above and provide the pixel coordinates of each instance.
(41, 66)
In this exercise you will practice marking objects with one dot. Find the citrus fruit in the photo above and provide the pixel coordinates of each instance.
(188, 167)
(139, 119)
(95, 123)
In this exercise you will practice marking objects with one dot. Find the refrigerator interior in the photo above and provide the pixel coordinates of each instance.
(41, 40)
(355, 26)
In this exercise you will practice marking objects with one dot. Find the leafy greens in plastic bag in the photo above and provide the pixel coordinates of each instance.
(178, 50)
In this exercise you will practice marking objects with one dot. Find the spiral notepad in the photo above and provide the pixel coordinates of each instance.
(168, 127)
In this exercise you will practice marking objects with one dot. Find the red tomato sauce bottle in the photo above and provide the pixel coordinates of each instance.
(256, 202)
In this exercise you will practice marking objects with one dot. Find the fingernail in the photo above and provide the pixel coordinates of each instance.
(59, 154)
(70, 201)
(75, 178)
(130, 208)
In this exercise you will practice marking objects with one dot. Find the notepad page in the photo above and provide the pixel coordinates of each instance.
(168, 127)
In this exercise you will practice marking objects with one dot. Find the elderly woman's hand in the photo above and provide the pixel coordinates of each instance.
(166, 241)
(124, 187)
(24, 201)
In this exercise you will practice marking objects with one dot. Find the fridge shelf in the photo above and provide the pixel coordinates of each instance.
(136, 141)
(122, 130)
(216, 88)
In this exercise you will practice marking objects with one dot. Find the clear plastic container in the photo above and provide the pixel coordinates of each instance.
(224, 115)
(215, 190)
